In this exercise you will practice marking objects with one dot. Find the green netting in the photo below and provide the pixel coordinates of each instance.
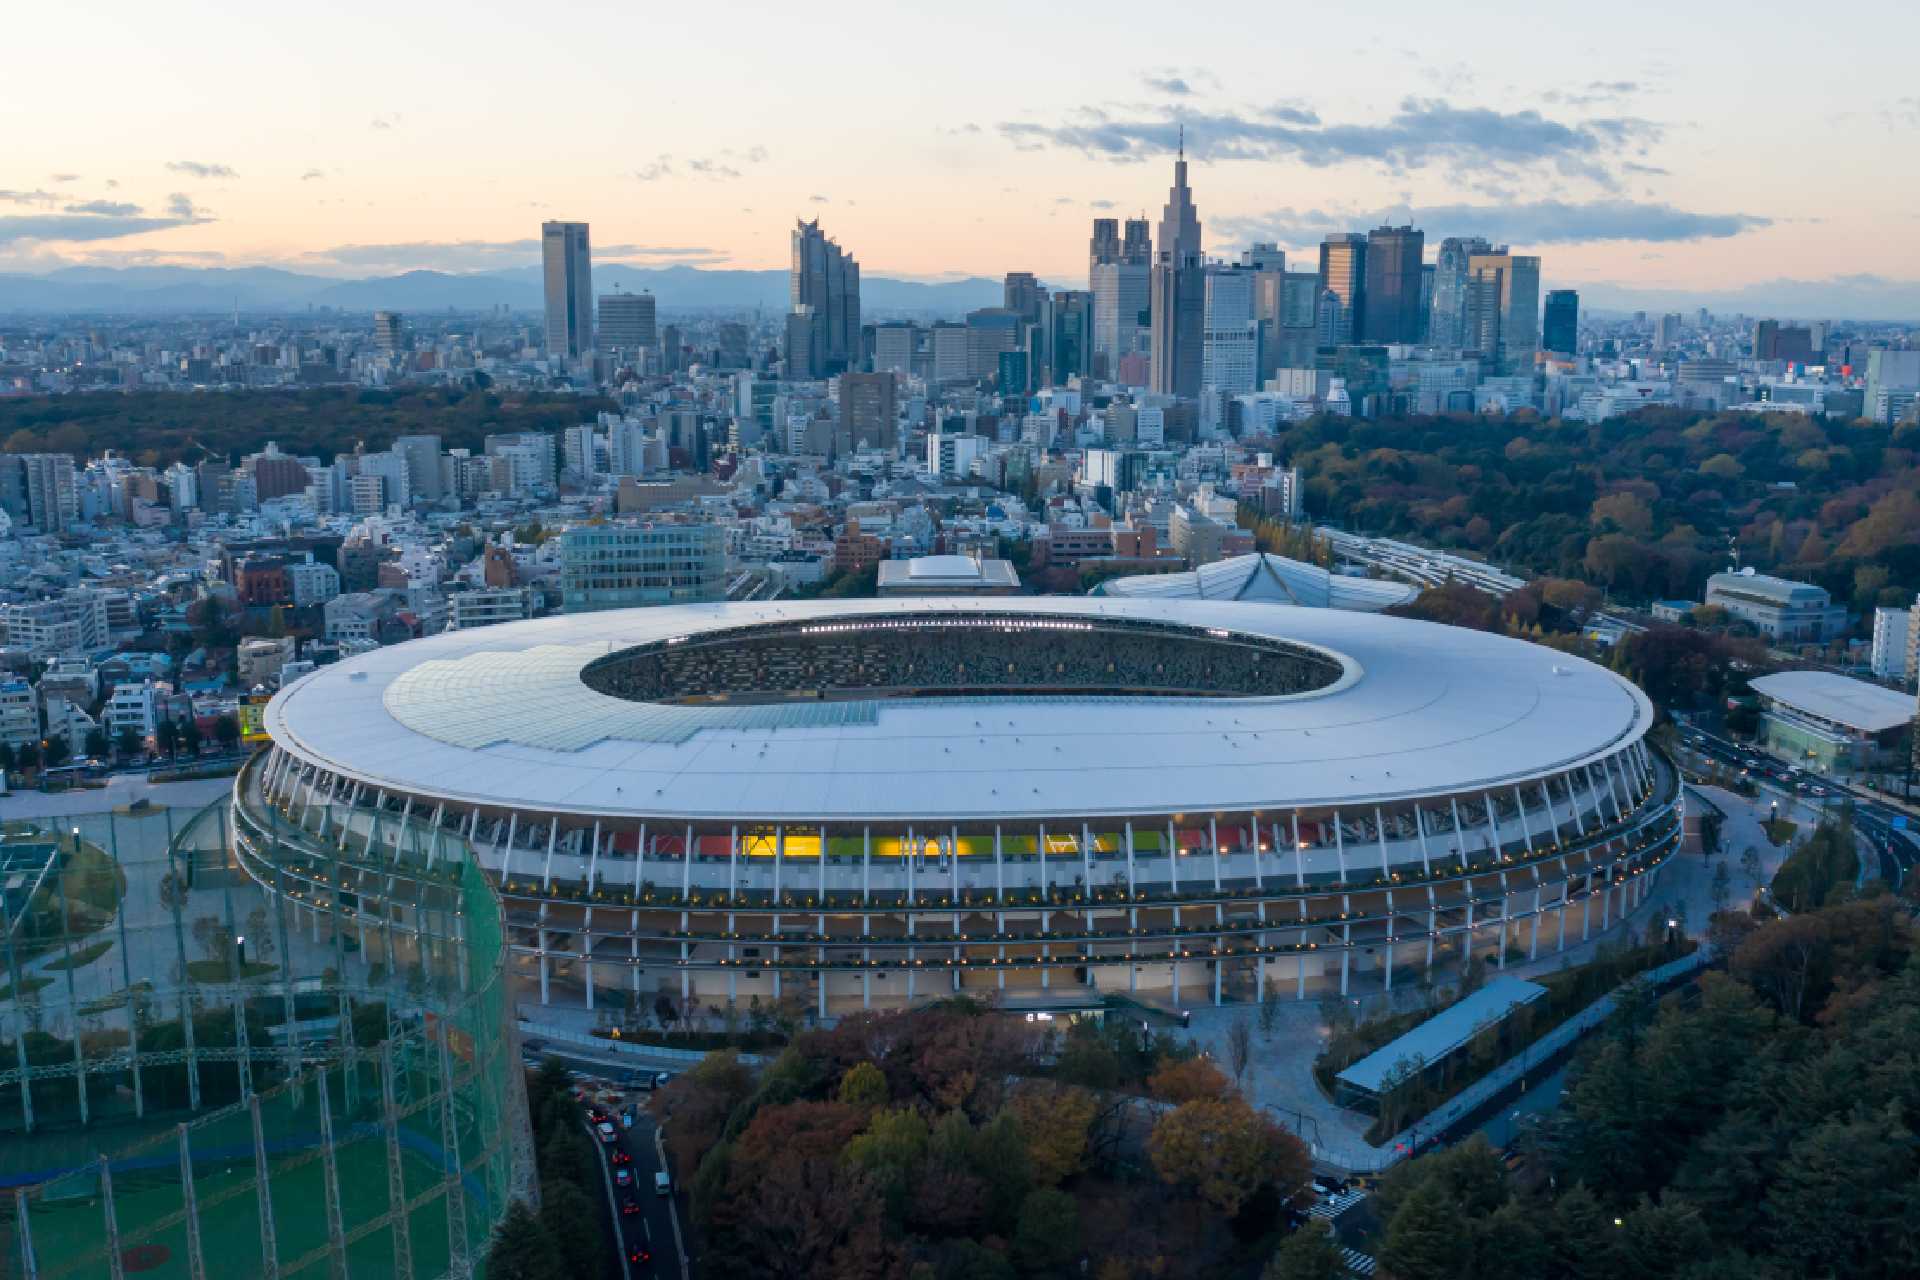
(261, 1028)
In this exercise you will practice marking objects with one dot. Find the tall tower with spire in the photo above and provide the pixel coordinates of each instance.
(1177, 291)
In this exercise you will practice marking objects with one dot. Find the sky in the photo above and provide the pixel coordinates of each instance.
(1705, 145)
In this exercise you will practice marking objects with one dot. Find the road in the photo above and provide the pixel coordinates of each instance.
(649, 1236)
(1891, 834)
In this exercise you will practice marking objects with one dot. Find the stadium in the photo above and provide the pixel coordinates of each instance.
(1048, 801)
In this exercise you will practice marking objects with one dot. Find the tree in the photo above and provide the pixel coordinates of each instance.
(522, 1249)
(190, 735)
(1048, 1233)
(863, 1085)
(1186, 1079)
(1055, 1121)
(8, 760)
(56, 751)
(260, 933)
(1221, 1150)
(1308, 1254)
(1721, 886)
(573, 1224)
(97, 744)
(27, 755)
(127, 743)
(226, 730)
(166, 735)
(1239, 1049)
(1425, 1239)
(1269, 1016)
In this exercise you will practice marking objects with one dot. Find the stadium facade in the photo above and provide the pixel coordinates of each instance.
(867, 805)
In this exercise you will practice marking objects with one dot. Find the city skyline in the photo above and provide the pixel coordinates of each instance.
(1629, 159)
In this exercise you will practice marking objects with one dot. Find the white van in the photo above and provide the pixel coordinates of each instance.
(662, 1185)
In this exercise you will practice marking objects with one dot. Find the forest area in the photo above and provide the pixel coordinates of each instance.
(1643, 507)
(159, 428)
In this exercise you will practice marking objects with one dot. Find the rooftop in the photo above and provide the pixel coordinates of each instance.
(1443, 1033)
(1840, 699)
(503, 714)
(1265, 578)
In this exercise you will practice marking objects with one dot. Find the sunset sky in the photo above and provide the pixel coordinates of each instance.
(1701, 145)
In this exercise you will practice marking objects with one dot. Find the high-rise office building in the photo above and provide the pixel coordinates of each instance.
(1121, 303)
(1666, 330)
(1775, 341)
(1024, 294)
(806, 334)
(567, 265)
(1392, 309)
(827, 278)
(1560, 331)
(1137, 244)
(1451, 272)
(894, 346)
(422, 457)
(730, 351)
(867, 411)
(1230, 337)
(1503, 309)
(1103, 246)
(991, 330)
(1343, 273)
(1065, 337)
(627, 322)
(1178, 293)
(389, 331)
(39, 489)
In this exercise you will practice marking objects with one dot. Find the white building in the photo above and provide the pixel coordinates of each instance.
(133, 708)
(951, 456)
(19, 717)
(312, 583)
(1230, 345)
(1892, 630)
(484, 608)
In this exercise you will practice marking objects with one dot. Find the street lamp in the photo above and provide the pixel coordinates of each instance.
(240, 943)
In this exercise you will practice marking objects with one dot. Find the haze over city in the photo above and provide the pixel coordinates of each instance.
(1647, 152)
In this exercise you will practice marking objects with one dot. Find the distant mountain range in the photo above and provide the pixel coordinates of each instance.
(178, 289)
(257, 289)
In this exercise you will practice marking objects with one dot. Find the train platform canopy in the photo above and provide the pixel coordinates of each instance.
(1443, 1034)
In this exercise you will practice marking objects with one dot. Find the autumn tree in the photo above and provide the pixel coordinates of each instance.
(1055, 1121)
(1222, 1151)
(1187, 1079)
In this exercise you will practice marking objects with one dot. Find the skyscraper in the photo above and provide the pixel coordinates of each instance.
(1178, 292)
(1230, 339)
(1392, 310)
(1268, 263)
(867, 411)
(1120, 277)
(1561, 331)
(1343, 273)
(1024, 293)
(1503, 309)
(1446, 319)
(389, 331)
(826, 278)
(567, 265)
(627, 322)
(1065, 334)
(1103, 246)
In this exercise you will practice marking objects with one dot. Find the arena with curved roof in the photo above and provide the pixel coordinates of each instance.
(876, 802)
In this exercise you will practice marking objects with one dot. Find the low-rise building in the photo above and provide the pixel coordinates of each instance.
(1780, 609)
(947, 576)
(488, 606)
(1833, 724)
(19, 714)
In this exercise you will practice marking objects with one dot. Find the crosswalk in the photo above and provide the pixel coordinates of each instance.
(1356, 1262)
(1333, 1206)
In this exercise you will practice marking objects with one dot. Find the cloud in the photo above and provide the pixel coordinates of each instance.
(661, 168)
(195, 169)
(63, 177)
(27, 197)
(106, 208)
(1646, 170)
(1902, 113)
(1292, 113)
(1595, 92)
(1422, 132)
(311, 174)
(389, 121)
(1100, 204)
(712, 169)
(84, 227)
(1535, 223)
(1174, 85)
(180, 206)
(819, 199)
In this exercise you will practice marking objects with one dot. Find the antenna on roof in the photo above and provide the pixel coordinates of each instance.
(1183, 141)
(1733, 554)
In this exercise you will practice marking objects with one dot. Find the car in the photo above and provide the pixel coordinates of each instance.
(623, 1177)
(662, 1185)
(621, 1157)
(626, 1117)
(661, 1079)
(606, 1132)
(629, 1206)
(533, 1047)
(638, 1253)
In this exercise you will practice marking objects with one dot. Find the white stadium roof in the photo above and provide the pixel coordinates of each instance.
(498, 715)
(1265, 578)
(1838, 699)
